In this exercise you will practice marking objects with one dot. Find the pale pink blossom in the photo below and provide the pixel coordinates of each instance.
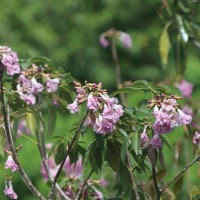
(36, 87)
(73, 107)
(103, 41)
(92, 103)
(144, 137)
(196, 138)
(125, 38)
(10, 163)
(156, 142)
(186, 119)
(10, 60)
(73, 170)
(8, 191)
(185, 88)
(52, 84)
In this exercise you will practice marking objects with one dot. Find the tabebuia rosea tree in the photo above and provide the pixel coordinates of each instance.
(113, 149)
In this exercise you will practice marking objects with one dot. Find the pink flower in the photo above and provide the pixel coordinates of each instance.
(144, 138)
(156, 142)
(92, 103)
(52, 84)
(196, 138)
(53, 168)
(55, 102)
(74, 170)
(125, 38)
(73, 107)
(9, 60)
(185, 88)
(22, 128)
(103, 41)
(10, 192)
(36, 87)
(10, 163)
(186, 119)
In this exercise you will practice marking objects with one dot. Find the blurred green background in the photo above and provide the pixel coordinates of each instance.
(68, 32)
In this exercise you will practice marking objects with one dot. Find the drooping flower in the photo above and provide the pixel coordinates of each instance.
(73, 107)
(52, 84)
(36, 87)
(8, 191)
(185, 88)
(103, 41)
(73, 170)
(10, 163)
(10, 60)
(92, 103)
(156, 142)
(144, 137)
(196, 138)
(53, 168)
(125, 38)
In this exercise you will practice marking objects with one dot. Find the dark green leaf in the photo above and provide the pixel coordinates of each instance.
(136, 142)
(161, 159)
(166, 140)
(60, 154)
(124, 149)
(164, 89)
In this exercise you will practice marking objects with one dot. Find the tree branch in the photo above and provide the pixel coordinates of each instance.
(23, 174)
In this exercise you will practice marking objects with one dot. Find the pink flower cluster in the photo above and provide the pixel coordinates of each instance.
(28, 87)
(10, 60)
(125, 38)
(168, 115)
(104, 112)
(10, 163)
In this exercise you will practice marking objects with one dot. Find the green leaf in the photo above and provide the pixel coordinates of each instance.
(124, 149)
(40, 60)
(161, 159)
(2, 141)
(31, 122)
(52, 117)
(164, 89)
(136, 142)
(60, 154)
(164, 45)
(166, 140)
(112, 154)
(16, 125)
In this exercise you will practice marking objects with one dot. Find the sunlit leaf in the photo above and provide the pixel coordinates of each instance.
(31, 122)
(52, 117)
(2, 141)
(136, 142)
(164, 45)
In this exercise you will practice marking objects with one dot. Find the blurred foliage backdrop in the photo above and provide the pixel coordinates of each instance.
(68, 32)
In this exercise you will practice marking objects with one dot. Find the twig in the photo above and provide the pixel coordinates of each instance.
(42, 150)
(78, 197)
(25, 177)
(158, 192)
(117, 71)
(179, 174)
(132, 177)
(67, 153)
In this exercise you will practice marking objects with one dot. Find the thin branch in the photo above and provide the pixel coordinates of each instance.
(42, 150)
(78, 197)
(132, 177)
(117, 71)
(180, 174)
(158, 192)
(67, 153)
(25, 177)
